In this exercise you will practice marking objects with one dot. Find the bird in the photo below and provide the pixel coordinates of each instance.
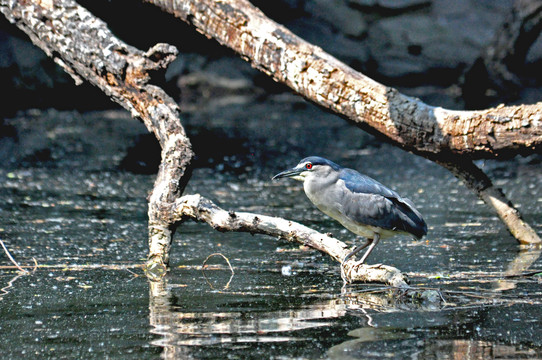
(359, 203)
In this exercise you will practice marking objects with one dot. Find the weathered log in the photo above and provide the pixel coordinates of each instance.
(452, 138)
(86, 49)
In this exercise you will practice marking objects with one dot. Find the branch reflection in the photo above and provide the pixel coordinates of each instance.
(179, 330)
(517, 267)
(207, 318)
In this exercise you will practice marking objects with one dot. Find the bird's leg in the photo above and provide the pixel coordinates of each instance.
(352, 253)
(375, 241)
(356, 250)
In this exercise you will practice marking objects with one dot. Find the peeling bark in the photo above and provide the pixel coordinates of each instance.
(451, 138)
(308, 70)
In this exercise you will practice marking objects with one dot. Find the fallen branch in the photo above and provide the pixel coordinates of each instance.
(85, 48)
(313, 73)
(198, 208)
(451, 138)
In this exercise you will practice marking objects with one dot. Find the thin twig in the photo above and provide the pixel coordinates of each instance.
(11, 257)
(131, 272)
(227, 261)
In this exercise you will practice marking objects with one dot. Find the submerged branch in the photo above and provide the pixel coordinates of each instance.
(198, 208)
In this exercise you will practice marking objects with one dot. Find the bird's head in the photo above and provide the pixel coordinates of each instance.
(310, 166)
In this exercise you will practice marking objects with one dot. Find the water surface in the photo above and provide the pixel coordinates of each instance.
(85, 226)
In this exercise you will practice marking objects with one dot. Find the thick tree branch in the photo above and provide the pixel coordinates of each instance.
(452, 138)
(307, 69)
(198, 208)
(86, 49)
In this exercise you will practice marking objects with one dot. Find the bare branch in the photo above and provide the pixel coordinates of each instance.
(403, 120)
(450, 138)
(84, 46)
(198, 208)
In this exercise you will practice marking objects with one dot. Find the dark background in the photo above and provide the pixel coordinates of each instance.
(421, 47)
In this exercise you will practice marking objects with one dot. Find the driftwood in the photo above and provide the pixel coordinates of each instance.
(86, 49)
(450, 138)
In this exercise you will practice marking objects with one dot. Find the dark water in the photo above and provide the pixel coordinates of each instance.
(89, 298)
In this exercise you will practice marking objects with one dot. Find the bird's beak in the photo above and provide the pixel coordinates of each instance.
(288, 173)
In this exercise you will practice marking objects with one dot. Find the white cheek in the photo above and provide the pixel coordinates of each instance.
(301, 176)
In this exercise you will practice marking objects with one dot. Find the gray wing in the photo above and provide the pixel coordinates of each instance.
(371, 203)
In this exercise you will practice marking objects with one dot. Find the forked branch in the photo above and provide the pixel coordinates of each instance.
(451, 138)
(84, 47)
(122, 72)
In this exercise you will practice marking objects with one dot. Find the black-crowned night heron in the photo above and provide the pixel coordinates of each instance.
(361, 204)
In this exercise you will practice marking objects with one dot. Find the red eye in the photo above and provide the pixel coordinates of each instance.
(308, 166)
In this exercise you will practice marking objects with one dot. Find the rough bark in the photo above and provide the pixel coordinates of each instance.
(85, 48)
(452, 138)
(88, 51)
(307, 69)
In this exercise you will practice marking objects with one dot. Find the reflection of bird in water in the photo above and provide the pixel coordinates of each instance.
(361, 204)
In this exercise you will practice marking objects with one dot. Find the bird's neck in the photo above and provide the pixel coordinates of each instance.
(314, 186)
